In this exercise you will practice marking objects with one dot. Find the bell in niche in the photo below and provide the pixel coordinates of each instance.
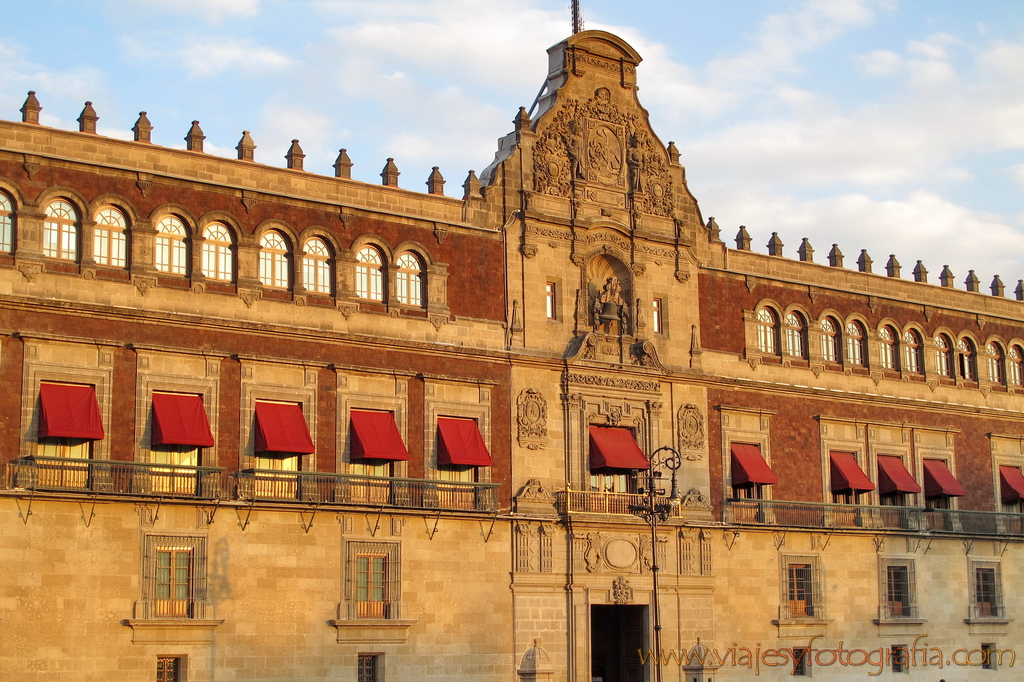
(609, 312)
(608, 305)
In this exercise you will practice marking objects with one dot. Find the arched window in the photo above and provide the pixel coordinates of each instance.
(996, 363)
(856, 351)
(831, 343)
(218, 262)
(60, 231)
(913, 360)
(767, 331)
(966, 360)
(409, 280)
(110, 238)
(887, 349)
(796, 334)
(943, 356)
(1015, 359)
(274, 260)
(370, 274)
(171, 250)
(316, 266)
(6, 224)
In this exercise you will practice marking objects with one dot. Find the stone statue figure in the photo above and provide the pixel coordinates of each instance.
(610, 310)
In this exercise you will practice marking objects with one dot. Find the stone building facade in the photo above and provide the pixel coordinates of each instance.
(262, 424)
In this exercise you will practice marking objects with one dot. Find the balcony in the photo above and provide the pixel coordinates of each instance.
(327, 488)
(61, 474)
(828, 516)
(595, 502)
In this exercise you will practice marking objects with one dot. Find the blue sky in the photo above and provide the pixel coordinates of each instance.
(891, 125)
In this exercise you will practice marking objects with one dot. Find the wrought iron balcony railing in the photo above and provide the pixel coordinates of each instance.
(326, 488)
(113, 477)
(819, 515)
(595, 502)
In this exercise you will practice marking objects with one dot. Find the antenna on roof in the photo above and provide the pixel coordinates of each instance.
(577, 17)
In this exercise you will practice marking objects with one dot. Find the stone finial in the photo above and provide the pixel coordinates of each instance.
(946, 277)
(775, 245)
(471, 187)
(143, 129)
(972, 281)
(295, 156)
(343, 165)
(714, 231)
(195, 137)
(743, 241)
(389, 176)
(835, 257)
(246, 148)
(892, 266)
(673, 153)
(997, 286)
(1019, 291)
(806, 251)
(30, 109)
(87, 119)
(920, 272)
(435, 183)
(864, 261)
(522, 120)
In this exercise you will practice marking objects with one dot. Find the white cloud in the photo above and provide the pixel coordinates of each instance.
(210, 11)
(881, 62)
(1018, 175)
(213, 55)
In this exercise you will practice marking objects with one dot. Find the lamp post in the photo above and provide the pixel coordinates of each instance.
(652, 512)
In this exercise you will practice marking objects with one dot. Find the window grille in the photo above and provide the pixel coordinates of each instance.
(898, 589)
(802, 591)
(373, 580)
(174, 578)
(368, 668)
(986, 590)
(169, 669)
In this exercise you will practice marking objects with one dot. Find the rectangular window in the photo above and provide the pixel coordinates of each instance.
(550, 302)
(369, 668)
(373, 585)
(170, 669)
(801, 596)
(899, 658)
(898, 589)
(657, 317)
(988, 661)
(174, 581)
(801, 663)
(987, 592)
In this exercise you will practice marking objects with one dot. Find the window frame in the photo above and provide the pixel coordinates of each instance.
(390, 604)
(967, 360)
(8, 223)
(795, 334)
(318, 268)
(195, 605)
(831, 340)
(801, 575)
(64, 232)
(274, 260)
(371, 280)
(856, 344)
(891, 586)
(889, 348)
(996, 360)
(995, 604)
(658, 315)
(110, 236)
(410, 281)
(913, 352)
(766, 320)
(551, 300)
(218, 262)
(171, 248)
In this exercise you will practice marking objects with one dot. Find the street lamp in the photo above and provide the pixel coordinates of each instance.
(652, 512)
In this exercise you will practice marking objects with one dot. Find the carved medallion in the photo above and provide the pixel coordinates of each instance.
(532, 419)
(690, 422)
(620, 554)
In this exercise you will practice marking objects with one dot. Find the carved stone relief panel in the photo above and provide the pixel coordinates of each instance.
(532, 419)
(692, 435)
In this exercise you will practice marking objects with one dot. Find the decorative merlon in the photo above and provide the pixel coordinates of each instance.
(30, 109)
(246, 148)
(343, 165)
(864, 261)
(997, 287)
(471, 187)
(743, 240)
(806, 251)
(522, 120)
(920, 272)
(194, 138)
(435, 182)
(835, 257)
(775, 245)
(972, 282)
(143, 129)
(389, 176)
(892, 267)
(87, 120)
(946, 278)
(294, 157)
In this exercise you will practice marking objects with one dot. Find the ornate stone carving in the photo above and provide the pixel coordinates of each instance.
(248, 202)
(529, 250)
(440, 233)
(592, 553)
(645, 354)
(438, 321)
(143, 284)
(144, 186)
(596, 142)
(690, 425)
(622, 593)
(29, 270)
(614, 382)
(544, 534)
(639, 269)
(532, 419)
(31, 168)
(524, 548)
(249, 296)
(695, 498)
(346, 309)
(645, 554)
(609, 309)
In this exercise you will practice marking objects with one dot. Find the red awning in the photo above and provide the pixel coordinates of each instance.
(281, 427)
(847, 475)
(939, 480)
(615, 448)
(1011, 481)
(375, 436)
(180, 419)
(461, 443)
(748, 466)
(69, 411)
(893, 476)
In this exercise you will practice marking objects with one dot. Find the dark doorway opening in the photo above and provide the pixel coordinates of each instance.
(617, 636)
